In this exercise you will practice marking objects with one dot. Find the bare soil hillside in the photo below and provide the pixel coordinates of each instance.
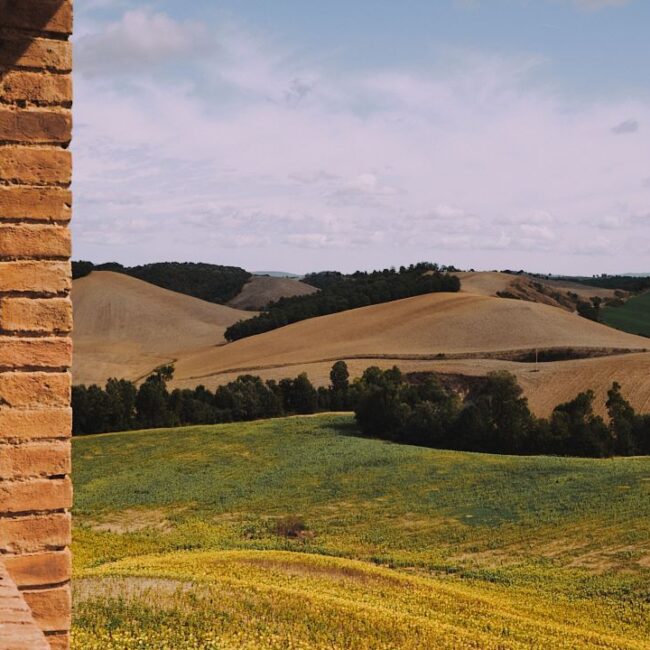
(125, 327)
(262, 290)
(419, 328)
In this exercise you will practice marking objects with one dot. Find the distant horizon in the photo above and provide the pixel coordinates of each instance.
(367, 269)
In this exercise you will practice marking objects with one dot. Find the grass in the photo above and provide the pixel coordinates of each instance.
(633, 316)
(179, 543)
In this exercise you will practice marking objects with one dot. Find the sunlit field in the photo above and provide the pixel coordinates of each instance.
(298, 533)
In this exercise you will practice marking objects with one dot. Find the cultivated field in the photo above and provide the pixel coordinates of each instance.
(125, 327)
(262, 289)
(297, 533)
(633, 316)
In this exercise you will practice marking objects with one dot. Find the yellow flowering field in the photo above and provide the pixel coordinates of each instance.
(298, 533)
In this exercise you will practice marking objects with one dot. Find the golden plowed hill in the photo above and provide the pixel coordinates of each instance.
(125, 327)
(261, 290)
(417, 328)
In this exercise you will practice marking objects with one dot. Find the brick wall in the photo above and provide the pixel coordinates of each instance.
(35, 310)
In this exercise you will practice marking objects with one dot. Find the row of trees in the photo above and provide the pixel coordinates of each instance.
(209, 282)
(121, 406)
(415, 409)
(340, 292)
(495, 419)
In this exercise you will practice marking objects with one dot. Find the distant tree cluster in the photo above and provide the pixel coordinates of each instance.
(121, 406)
(340, 292)
(628, 283)
(496, 419)
(210, 282)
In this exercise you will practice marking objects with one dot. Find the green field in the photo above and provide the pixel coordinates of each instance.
(633, 316)
(180, 543)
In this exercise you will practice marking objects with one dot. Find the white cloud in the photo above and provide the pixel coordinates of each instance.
(141, 38)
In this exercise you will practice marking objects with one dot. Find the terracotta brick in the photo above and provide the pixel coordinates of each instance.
(34, 389)
(37, 569)
(22, 86)
(36, 315)
(18, 636)
(32, 534)
(35, 166)
(51, 607)
(41, 53)
(25, 203)
(35, 353)
(32, 425)
(37, 494)
(32, 459)
(25, 241)
(35, 277)
(37, 15)
(37, 126)
(59, 641)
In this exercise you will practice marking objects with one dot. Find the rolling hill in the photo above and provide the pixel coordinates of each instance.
(125, 327)
(298, 533)
(260, 290)
(423, 327)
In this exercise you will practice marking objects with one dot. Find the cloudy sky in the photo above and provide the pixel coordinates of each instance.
(304, 135)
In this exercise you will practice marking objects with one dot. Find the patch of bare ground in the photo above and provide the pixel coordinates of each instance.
(610, 558)
(162, 589)
(132, 520)
(261, 290)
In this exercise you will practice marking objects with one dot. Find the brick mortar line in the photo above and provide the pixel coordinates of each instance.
(14, 182)
(34, 295)
(33, 514)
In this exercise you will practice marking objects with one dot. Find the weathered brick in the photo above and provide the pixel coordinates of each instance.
(39, 494)
(35, 353)
(36, 166)
(34, 459)
(37, 15)
(34, 389)
(36, 315)
(36, 569)
(31, 241)
(18, 636)
(25, 203)
(42, 53)
(37, 126)
(32, 534)
(35, 277)
(31, 425)
(23, 86)
(51, 607)
(59, 641)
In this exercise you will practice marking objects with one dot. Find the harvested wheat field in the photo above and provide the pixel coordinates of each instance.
(484, 283)
(419, 327)
(263, 289)
(125, 327)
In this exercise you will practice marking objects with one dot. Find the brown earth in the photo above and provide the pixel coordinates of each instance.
(263, 289)
(124, 327)
(413, 332)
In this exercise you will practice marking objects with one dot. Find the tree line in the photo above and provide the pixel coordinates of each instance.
(210, 282)
(340, 292)
(495, 419)
(123, 406)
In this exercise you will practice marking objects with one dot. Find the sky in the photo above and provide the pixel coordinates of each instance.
(301, 135)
